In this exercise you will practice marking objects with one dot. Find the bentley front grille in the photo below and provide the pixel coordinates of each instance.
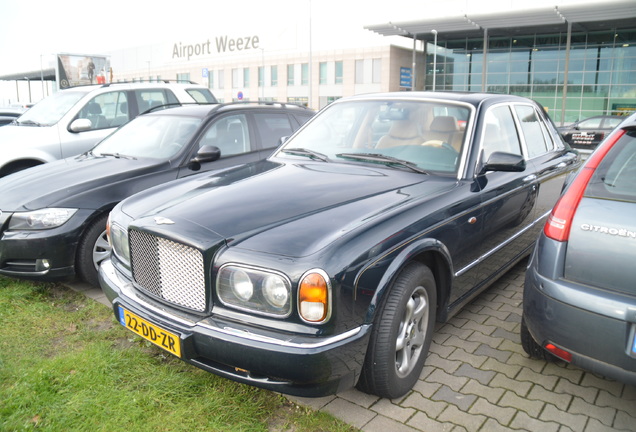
(169, 270)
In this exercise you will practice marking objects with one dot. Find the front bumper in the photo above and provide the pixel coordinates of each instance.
(598, 330)
(44, 255)
(297, 365)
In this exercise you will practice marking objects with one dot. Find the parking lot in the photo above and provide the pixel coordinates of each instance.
(478, 378)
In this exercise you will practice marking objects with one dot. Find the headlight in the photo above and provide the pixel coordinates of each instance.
(254, 290)
(40, 219)
(118, 238)
(275, 291)
(242, 285)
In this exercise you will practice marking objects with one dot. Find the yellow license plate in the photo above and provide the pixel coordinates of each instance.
(153, 333)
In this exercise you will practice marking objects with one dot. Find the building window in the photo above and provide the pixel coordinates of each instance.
(339, 72)
(377, 71)
(210, 79)
(359, 72)
(304, 74)
(323, 73)
(246, 77)
(274, 76)
(304, 101)
(221, 79)
(290, 75)
(261, 76)
(235, 78)
(182, 77)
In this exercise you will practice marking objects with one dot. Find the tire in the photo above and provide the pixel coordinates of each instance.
(92, 249)
(401, 335)
(530, 346)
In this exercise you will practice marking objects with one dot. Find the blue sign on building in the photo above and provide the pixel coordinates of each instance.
(406, 77)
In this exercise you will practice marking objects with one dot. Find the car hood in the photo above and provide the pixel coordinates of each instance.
(285, 209)
(76, 182)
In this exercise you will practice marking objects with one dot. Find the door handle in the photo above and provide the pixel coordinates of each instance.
(530, 178)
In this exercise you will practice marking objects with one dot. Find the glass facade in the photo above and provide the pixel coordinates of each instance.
(600, 69)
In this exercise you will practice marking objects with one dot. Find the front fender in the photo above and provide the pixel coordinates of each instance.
(429, 251)
(35, 155)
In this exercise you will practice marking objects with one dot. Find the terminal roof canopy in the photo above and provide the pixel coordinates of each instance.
(44, 74)
(603, 15)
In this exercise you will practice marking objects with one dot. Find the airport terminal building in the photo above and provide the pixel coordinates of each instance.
(577, 60)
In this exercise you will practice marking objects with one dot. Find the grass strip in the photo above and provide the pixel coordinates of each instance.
(67, 365)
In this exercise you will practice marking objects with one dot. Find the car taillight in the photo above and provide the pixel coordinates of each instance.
(558, 225)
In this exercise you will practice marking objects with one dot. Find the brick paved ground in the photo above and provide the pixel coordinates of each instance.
(478, 378)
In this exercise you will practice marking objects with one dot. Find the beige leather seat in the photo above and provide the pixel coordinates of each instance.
(402, 132)
(444, 129)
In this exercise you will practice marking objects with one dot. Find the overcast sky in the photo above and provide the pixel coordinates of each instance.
(37, 29)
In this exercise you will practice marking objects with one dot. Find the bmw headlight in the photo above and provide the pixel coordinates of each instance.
(254, 290)
(40, 219)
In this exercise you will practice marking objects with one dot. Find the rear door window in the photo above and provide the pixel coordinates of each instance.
(611, 123)
(534, 131)
(151, 98)
(593, 123)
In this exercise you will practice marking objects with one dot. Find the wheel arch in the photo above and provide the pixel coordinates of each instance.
(18, 165)
(430, 252)
(91, 220)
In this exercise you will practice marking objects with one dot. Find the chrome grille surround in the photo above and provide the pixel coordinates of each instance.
(169, 270)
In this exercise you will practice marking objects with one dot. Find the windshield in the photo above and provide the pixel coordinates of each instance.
(149, 136)
(50, 110)
(427, 135)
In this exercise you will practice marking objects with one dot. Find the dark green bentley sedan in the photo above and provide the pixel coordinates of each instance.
(327, 265)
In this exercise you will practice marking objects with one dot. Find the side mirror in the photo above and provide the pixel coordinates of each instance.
(81, 125)
(501, 161)
(207, 153)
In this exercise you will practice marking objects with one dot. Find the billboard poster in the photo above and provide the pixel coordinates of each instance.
(82, 69)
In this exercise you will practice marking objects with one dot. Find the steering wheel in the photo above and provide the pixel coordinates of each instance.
(440, 144)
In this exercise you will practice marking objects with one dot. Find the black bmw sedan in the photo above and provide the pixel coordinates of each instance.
(53, 216)
(328, 264)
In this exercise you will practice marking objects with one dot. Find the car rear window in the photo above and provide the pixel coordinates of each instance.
(615, 177)
(202, 95)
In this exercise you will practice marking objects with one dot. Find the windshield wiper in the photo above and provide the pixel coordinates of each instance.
(306, 152)
(27, 123)
(117, 155)
(375, 157)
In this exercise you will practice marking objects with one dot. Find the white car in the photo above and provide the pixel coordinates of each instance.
(72, 121)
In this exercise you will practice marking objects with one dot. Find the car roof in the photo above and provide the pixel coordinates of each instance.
(203, 110)
(132, 85)
(472, 98)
